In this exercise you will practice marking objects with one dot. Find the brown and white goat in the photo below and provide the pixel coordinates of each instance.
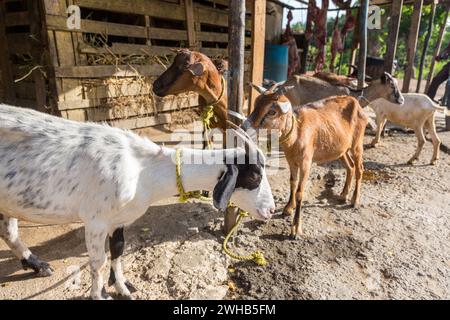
(194, 71)
(322, 131)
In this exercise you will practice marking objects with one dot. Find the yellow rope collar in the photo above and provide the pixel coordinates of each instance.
(288, 135)
(208, 113)
(184, 196)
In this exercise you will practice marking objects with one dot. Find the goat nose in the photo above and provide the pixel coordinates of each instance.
(272, 210)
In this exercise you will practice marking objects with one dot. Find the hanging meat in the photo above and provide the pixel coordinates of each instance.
(289, 40)
(316, 28)
(336, 43)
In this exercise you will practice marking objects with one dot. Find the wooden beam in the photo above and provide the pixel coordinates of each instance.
(36, 52)
(426, 44)
(190, 23)
(394, 24)
(437, 49)
(412, 43)
(5, 62)
(236, 31)
(258, 37)
(363, 43)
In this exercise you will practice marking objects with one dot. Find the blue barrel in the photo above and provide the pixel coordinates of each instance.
(276, 62)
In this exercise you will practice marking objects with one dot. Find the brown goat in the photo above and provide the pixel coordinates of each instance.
(194, 71)
(322, 131)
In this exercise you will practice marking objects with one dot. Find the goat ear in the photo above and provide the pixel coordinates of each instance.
(225, 188)
(260, 89)
(196, 69)
(285, 106)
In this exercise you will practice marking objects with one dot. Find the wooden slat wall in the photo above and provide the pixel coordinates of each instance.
(186, 22)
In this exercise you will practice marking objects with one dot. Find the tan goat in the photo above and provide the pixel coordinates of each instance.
(322, 131)
(194, 71)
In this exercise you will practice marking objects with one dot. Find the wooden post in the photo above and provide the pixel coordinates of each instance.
(394, 24)
(426, 43)
(412, 44)
(236, 32)
(258, 37)
(190, 23)
(437, 49)
(363, 43)
(36, 53)
(5, 62)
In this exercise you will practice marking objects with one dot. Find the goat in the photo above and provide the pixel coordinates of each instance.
(194, 71)
(60, 171)
(417, 112)
(306, 89)
(322, 131)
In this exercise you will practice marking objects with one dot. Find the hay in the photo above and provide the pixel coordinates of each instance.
(141, 101)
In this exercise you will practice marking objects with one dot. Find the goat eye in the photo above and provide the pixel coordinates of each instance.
(272, 112)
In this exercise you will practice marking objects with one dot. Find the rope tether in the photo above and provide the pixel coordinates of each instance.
(184, 196)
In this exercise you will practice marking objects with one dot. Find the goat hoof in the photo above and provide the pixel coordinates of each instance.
(288, 211)
(356, 205)
(105, 295)
(411, 162)
(126, 297)
(433, 162)
(342, 199)
(130, 287)
(41, 268)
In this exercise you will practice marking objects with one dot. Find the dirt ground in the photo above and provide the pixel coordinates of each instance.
(396, 246)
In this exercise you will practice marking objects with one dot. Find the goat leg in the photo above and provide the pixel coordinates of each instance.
(95, 244)
(420, 142)
(350, 168)
(381, 122)
(296, 229)
(431, 127)
(9, 231)
(116, 277)
(290, 206)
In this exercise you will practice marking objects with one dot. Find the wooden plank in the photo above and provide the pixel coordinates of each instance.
(218, 37)
(167, 34)
(190, 23)
(236, 55)
(55, 7)
(91, 26)
(412, 43)
(102, 114)
(5, 61)
(17, 19)
(363, 43)
(151, 8)
(40, 89)
(394, 24)
(215, 17)
(128, 49)
(258, 39)
(165, 104)
(108, 71)
(64, 47)
(136, 123)
(437, 48)
(76, 115)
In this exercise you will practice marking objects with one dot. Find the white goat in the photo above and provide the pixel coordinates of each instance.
(59, 171)
(417, 113)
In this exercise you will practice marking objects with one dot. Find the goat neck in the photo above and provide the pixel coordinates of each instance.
(199, 171)
(288, 132)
